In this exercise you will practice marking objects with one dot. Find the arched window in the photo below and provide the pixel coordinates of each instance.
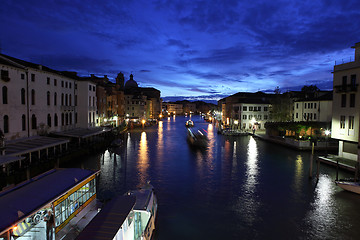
(48, 98)
(33, 97)
(69, 99)
(62, 99)
(55, 96)
(49, 120)
(5, 95)
(23, 96)
(33, 122)
(66, 99)
(55, 120)
(6, 124)
(23, 122)
(62, 119)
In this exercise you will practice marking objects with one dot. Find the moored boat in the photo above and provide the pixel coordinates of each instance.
(349, 185)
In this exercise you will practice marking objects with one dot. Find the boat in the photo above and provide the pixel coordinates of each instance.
(197, 138)
(189, 123)
(144, 211)
(129, 216)
(349, 185)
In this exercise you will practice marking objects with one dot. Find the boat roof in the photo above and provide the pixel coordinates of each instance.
(109, 220)
(142, 198)
(30, 196)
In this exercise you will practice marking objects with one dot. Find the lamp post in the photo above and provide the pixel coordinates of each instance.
(143, 122)
(327, 133)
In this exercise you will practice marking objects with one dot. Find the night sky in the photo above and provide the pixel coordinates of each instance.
(187, 48)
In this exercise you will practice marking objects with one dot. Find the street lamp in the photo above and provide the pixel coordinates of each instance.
(143, 122)
(327, 133)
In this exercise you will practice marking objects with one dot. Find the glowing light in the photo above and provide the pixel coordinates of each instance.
(160, 116)
(143, 121)
(236, 122)
(327, 132)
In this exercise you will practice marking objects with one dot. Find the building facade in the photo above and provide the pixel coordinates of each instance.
(346, 102)
(35, 99)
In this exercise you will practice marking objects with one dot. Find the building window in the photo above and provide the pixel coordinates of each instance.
(244, 108)
(344, 82)
(62, 99)
(70, 118)
(89, 117)
(89, 101)
(22, 76)
(49, 120)
(23, 96)
(76, 118)
(70, 100)
(66, 99)
(342, 122)
(33, 77)
(343, 100)
(55, 99)
(89, 88)
(69, 84)
(66, 119)
(55, 120)
(5, 75)
(297, 115)
(32, 97)
(352, 100)
(23, 122)
(265, 117)
(33, 122)
(4, 95)
(6, 124)
(48, 81)
(244, 117)
(66, 84)
(351, 122)
(315, 105)
(265, 109)
(94, 88)
(48, 98)
(55, 82)
(311, 105)
(353, 81)
(314, 116)
(75, 100)
(94, 101)
(62, 83)
(62, 119)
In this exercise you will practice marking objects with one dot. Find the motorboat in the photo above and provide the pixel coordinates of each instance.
(197, 138)
(349, 185)
(189, 123)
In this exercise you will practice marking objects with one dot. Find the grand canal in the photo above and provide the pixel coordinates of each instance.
(238, 188)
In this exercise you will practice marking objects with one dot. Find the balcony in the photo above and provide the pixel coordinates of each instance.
(346, 88)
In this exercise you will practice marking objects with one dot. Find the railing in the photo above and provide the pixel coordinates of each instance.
(342, 61)
(346, 88)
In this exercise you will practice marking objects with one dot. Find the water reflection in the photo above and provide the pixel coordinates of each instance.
(252, 167)
(323, 217)
(299, 171)
(143, 162)
(160, 143)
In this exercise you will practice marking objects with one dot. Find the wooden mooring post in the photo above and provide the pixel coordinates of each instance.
(311, 161)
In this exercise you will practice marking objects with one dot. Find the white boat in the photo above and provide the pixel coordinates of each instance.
(349, 185)
(144, 211)
(126, 217)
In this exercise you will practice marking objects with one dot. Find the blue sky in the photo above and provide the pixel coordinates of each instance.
(187, 48)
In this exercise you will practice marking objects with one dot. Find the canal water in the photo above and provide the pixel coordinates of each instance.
(238, 188)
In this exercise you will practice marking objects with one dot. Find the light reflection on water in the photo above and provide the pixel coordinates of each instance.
(143, 162)
(248, 187)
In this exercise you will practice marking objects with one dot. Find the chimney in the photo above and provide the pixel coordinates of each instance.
(92, 75)
(357, 51)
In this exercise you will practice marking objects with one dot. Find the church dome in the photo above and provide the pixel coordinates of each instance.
(131, 83)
